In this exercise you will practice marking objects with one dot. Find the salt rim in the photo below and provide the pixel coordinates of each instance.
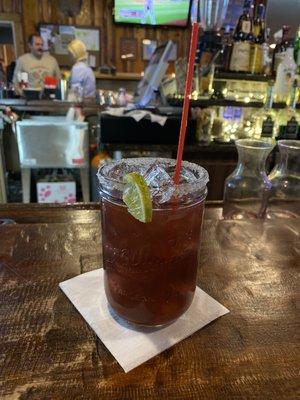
(108, 182)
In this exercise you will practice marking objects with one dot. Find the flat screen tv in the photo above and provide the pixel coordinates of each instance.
(153, 12)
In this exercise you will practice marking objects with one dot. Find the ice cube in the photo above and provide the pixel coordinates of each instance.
(187, 175)
(157, 177)
(160, 184)
(165, 194)
(116, 170)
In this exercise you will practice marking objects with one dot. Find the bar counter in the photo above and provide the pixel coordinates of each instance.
(48, 350)
(125, 135)
(49, 106)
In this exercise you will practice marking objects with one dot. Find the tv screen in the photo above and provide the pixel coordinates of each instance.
(152, 12)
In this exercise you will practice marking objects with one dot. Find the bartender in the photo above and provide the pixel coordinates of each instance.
(36, 64)
(81, 74)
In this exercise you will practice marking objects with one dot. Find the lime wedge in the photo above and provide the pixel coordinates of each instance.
(137, 197)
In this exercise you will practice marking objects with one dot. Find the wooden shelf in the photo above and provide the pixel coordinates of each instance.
(218, 76)
(241, 77)
(120, 76)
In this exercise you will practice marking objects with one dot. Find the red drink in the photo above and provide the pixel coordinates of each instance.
(151, 268)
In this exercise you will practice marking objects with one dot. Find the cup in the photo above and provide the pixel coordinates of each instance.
(63, 89)
(150, 269)
(75, 92)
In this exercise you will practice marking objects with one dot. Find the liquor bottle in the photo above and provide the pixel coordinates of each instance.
(227, 49)
(208, 50)
(265, 119)
(267, 60)
(240, 57)
(280, 49)
(256, 54)
(297, 51)
(290, 120)
(285, 75)
(292, 102)
(291, 129)
(269, 124)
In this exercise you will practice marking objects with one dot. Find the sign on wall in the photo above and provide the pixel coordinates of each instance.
(57, 37)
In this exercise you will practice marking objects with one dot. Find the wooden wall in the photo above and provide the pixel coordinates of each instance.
(93, 13)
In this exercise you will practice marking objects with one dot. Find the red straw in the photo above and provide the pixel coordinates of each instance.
(186, 101)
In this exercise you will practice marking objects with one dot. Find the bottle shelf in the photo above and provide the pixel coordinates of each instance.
(241, 77)
(215, 102)
(203, 103)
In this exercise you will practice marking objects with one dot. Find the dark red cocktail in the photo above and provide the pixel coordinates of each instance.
(151, 268)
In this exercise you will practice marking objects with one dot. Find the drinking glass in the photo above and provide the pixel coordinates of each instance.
(150, 269)
(285, 178)
(75, 92)
(247, 189)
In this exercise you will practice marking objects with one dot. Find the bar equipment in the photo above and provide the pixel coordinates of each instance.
(212, 14)
(53, 142)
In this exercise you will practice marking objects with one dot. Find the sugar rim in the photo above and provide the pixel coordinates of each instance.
(200, 173)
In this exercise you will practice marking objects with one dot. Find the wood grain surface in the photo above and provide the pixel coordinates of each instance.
(48, 351)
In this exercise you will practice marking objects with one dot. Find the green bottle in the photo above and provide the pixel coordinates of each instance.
(297, 50)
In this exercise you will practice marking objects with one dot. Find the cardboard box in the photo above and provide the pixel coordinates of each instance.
(56, 192)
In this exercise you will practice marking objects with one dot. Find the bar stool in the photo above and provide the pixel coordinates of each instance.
(53, 142)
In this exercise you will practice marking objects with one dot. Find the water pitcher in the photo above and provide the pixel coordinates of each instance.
(247, 189)
(285, 178)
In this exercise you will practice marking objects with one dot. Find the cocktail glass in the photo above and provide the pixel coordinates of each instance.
(150, 269)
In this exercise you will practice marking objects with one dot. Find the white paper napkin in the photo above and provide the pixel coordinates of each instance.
(133, 347)
(137, 115)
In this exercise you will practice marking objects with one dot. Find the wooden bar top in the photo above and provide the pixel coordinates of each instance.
(49, 352)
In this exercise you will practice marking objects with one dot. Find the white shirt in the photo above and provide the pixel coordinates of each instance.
(36, 68)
